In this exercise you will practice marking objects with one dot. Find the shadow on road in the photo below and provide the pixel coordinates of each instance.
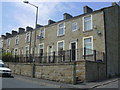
(7, 76)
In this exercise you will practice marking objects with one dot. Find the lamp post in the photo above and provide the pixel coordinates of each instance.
(33, 65)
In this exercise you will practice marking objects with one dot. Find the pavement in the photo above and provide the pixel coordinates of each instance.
(55, 84)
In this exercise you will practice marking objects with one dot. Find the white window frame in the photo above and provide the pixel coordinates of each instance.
(26, 37)
(84, 42)
(63, 30)
(17, 37)
(8, 42)
(63, 44)
(74, 41)
(25, 49)
(41, 32)
(39, 47)
(48, 48)
(76, 26)
(91, 22)
(1, 43)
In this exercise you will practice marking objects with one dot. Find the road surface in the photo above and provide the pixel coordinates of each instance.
(20, 83)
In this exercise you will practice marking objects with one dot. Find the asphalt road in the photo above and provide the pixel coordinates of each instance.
(20, 83)
(28, 82)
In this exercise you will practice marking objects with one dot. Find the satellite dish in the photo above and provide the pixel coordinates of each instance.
(99, 32)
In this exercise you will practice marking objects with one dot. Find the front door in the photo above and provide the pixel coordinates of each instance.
(73, 51)
(50, 53)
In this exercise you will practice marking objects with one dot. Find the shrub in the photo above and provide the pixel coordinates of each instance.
(7, 57)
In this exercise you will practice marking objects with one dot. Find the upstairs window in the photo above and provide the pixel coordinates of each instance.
(87, 24)
(17, 40)
(42, 33)
(61, 29)
(74, 26)
(27, 37)
(41, 50)
(1, 44)
(8, 42)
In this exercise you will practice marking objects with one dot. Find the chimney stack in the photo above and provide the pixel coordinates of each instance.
(38, 26)
(21, 30)
(87, 9)
(14, 32)
(51, 22)
(114, 3)
(29, 28)
(3, 36)
(8, 34)
(67, 16)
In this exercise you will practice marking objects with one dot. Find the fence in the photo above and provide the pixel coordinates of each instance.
(60, 56)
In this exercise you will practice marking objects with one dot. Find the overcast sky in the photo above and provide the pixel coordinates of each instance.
(18, 14)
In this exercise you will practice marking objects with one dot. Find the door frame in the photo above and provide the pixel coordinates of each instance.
(49, 52)
(75, 46)
(48, 48)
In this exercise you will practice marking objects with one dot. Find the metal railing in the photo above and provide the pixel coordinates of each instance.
(60, 56)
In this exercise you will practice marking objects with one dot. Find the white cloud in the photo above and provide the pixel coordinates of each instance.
(26, 15)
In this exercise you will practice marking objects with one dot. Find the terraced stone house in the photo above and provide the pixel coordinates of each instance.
(91, 33)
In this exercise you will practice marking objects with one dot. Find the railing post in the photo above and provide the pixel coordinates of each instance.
(15, 58)
(70, 56)
(103, 57)
(53, 57)
(84, 53)
(95, 55)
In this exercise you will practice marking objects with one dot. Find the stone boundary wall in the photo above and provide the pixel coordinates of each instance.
(95, 71)
(80, 70)
(63, 72)
(57, 72)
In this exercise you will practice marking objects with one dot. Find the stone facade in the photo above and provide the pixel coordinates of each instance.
(104, 34)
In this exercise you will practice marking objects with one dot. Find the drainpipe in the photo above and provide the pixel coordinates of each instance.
(105, 42)
(30, 46)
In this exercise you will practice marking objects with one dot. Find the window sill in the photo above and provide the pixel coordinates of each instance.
(88, 31)
(74, 30)
(60, 35)
(28, 42)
